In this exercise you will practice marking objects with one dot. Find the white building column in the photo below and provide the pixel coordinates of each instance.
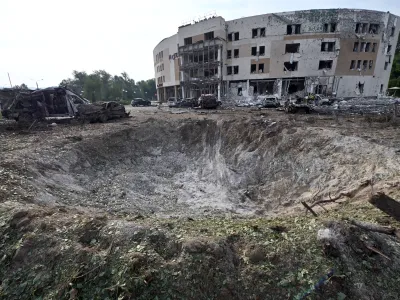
(158, 95)
(219, 72)
(176, 91)
(248, 86)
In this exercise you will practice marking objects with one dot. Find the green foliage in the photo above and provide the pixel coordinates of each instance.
(395, 73)
(102, 86)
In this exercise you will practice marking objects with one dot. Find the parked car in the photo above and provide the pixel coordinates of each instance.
(188, 102)
(172, 101)
(268, 101)
(140, 102)
(208, 101)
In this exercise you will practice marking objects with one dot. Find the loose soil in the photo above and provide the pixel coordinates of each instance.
(187, 204)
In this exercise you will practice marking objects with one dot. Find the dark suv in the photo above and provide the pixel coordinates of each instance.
(208, 101)
(140, 102)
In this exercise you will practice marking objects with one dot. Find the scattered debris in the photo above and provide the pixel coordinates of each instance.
(386, 204)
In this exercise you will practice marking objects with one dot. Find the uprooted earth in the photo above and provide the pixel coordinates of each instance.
(194, 204)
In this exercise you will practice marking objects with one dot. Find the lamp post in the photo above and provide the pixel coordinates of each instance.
(36, 80)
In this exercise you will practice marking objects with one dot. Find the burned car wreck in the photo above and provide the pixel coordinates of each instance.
(59, 103)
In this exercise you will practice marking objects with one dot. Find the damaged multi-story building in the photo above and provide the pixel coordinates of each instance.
(332, 52)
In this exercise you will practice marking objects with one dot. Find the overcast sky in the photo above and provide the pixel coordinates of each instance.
(47, 39)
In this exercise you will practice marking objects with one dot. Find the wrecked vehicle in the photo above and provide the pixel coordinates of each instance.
(267, 101)
(59, 103)
(208, 101)
(297, 105)
(140, 102)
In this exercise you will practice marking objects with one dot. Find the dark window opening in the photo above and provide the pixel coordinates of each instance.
(261, 68)
(290, 66)
(295, 86)
(239, 91)
(262, 32)
(325, 64)
(262, 50)
(355, 48)
(209, 35)
(236, 36)
(292, 48)
(374, 47)
(229, 54)
(297, 29)
(371, 64)
(253, 51)
(328, 46)
(373, 28)
(230, 37)
(386, 65)
(367, 47)
(381, 90)
(390, 59)
(188, 41)
(229, 70)
(333, 27)
(289, 29)
(254, 33)
(326, 27)
(361, 87)
(236, 53)
(365, 64)
(362, 48)
(352, 65)
(321, 89)
(393, 30)
(389, 48)
(236, 70)
(253, 68)
(359, 64)
(364, 27)
(357, 28)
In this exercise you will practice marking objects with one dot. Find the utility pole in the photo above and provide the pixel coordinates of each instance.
(9, 79)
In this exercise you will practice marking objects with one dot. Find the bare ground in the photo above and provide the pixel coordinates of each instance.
(170, 201)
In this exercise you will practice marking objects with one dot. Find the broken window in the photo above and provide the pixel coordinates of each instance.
(326, 27)
(236, 36)
(367, 47)
(373, 47)
(262, 50)
(187, 41)
(261, 68)
(328, 46)
(229, 54)
(229, 70)
(289, 29)
(358, 25)
(254, 33)
(389, 48)
(390, 59)
(362, 48)
(393, 30)
(361, 87)
(321, 89)
(364, 27)
(371, 64)
(355, 48)
(333, 27)
(236, 70)
(352, 65)
(209, 35)
(386, 65)
(254, 51)
(236, 53)
(297, 29)
(239, 91)
(373, 28)
(325, 64)
(230, 37)
(253, 68)
(163, 78)
(290, 66)
(262, 32)
(381, 90)
(365, 64)
(359, 65)
(292, 48)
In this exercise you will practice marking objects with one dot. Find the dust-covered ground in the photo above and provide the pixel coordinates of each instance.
(191, 204)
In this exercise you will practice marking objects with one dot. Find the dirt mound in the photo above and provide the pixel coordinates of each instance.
(202, 167)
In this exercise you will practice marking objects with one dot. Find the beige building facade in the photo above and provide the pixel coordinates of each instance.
(334, 52)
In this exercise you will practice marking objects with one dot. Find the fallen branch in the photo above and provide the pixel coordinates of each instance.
(386, 204)
(374, 227)
(309, 208)
(373, 249)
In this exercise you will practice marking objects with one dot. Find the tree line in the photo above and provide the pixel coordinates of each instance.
(102, 86)
(395, 73)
